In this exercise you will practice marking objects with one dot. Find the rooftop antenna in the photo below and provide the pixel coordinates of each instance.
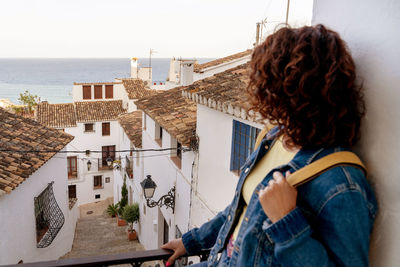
(152, 51)
(287, 12)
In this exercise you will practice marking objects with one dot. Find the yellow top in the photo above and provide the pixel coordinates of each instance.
(275, 157)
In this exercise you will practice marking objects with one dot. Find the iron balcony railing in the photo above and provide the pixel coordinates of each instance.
(135, 258)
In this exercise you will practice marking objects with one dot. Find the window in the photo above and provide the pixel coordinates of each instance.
(105, 128)
(72, 167)
(109, 91)
(97, 196)
(107, 152)
(158, 134)
(87, 92)
(72, 191)
(179, 150)
(89, 127)
(176, 155)
(97, 182)
(98, 92)
(243, 140)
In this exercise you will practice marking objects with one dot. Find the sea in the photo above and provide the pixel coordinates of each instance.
(51, 79)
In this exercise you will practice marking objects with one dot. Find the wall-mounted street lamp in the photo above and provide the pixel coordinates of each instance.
(149, 186)
(109, 161)
(89, 165)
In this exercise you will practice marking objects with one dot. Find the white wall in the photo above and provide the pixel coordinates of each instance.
(166, 175)
(17, 213)
(214, 129)
(371, 30)
(220, 68)
(92, 141)
(118, 93)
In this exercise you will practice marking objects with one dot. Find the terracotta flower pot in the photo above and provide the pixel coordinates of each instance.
(132, 235)
(121, 222)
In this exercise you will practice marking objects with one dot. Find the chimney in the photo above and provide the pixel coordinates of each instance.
(134, 67)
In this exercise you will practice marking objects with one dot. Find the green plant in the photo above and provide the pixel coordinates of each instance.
(124, 197)
(112, 209)
(131, 214)
(28, 100)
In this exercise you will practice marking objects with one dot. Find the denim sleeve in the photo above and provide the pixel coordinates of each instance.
(339, 236)
(206, 235)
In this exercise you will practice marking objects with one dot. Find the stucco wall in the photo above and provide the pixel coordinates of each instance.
(371, 30)
(92, 141)
(220, 68)
(166, 175)
(118, 93)
(215, 183)
(17, 213)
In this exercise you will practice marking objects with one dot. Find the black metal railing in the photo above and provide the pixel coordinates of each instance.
(135, 258)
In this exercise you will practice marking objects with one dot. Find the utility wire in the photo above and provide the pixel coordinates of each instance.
(95, 151)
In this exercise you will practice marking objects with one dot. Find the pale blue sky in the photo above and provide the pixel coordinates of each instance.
(126, 28)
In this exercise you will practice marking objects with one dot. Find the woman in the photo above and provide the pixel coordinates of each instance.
(303, 81)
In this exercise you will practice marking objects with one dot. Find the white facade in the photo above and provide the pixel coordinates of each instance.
(207, 72)
(214, 184)
(371, 30)
(166, 174)
(119, 91)
(85, 191)
(17, 213)
(181, 71)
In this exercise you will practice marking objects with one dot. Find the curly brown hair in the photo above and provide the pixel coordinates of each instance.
(304, 81)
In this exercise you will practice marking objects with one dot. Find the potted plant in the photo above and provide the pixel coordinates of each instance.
(112, 209)
(122, 204)
(131, 215)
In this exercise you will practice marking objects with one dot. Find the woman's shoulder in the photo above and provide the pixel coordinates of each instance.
(334, 183)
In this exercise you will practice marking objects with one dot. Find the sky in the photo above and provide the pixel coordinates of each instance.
(128, 28)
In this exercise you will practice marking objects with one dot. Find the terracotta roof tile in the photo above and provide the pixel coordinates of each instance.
(89, 111)
(56, 115)
(174, 113)
(225, 91)
(137, 88)
(132, 125)
(22, 134)
(200, 67)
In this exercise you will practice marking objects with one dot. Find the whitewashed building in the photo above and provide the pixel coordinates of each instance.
(169, 122)
(95, 128)
(226, 137)
(37, 220)
(184, 72)
(131, 168)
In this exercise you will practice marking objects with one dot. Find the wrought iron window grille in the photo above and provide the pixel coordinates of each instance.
(49, 217)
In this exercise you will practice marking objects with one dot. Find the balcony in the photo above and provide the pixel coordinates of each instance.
(128, 167)
(102, 165)
(135, 258)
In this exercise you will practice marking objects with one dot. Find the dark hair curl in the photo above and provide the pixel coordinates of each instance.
(304, 81)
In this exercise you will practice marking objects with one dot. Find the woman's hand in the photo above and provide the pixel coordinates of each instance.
(179, 250)
(278, 198)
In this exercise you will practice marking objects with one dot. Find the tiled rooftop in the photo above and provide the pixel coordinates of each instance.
(21, 134)
(56, 115)
(174, 113)
(225, 91)
(137, 88)
(89, 111)
(200, 67)
(132, 125)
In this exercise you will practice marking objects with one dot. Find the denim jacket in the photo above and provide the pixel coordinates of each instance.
(330, 226)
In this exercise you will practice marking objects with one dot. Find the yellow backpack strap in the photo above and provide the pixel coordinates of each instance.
(262, 134)
(309, 172)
